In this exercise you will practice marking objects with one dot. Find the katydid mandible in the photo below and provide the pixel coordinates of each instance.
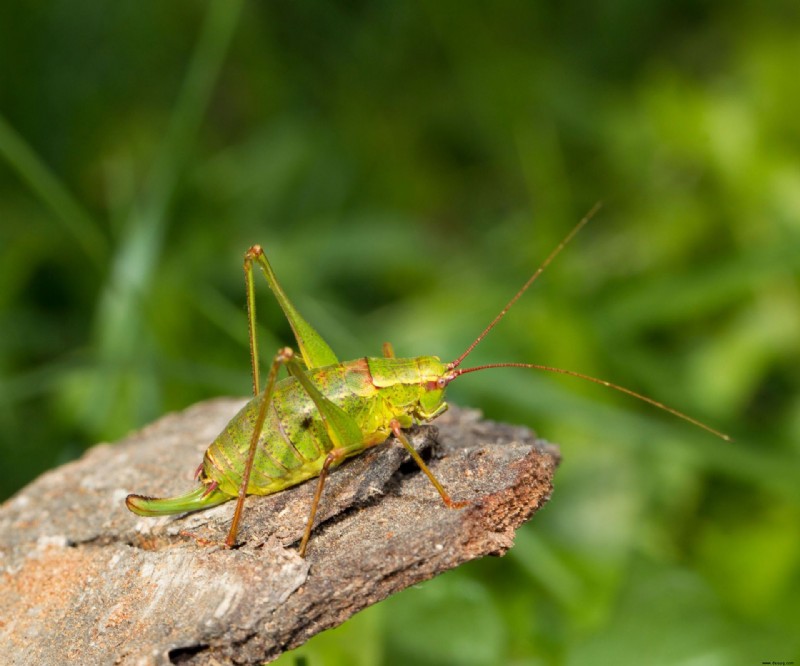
(326, 411)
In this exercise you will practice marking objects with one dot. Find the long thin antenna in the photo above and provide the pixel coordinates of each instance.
(602, 382)
(530, 281)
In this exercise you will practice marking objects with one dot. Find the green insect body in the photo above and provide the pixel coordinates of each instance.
(293, 442)
(327, 411)
(300, 427)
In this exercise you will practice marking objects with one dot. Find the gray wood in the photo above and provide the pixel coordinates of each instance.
(82, 580)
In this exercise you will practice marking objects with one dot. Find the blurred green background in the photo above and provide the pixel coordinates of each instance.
(406, 166)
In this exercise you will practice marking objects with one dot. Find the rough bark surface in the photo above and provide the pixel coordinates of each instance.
(82, 580)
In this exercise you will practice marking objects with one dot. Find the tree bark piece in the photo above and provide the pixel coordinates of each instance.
(82, 580)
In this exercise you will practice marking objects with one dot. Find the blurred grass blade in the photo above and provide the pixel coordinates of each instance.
(122, 335)
(53, 193)
(209, 54)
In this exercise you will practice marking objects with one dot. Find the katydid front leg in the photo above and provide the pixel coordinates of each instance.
(401, 436)
(337, 455)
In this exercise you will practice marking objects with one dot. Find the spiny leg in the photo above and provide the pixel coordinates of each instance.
(281, 358)
(251, 315)
(398, 432)
(315, 351)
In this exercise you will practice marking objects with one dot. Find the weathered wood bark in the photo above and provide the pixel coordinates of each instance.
(82, 580)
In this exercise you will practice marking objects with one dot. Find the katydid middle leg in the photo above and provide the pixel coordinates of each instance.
(331, 460)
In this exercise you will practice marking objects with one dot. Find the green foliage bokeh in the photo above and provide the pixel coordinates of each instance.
(406, 166)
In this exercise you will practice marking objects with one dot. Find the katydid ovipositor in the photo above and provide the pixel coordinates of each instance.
(304, 425)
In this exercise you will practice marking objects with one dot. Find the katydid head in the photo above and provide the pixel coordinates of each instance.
(453, 369)
(433, 375)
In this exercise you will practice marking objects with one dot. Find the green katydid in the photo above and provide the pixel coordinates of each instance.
(326, 411)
